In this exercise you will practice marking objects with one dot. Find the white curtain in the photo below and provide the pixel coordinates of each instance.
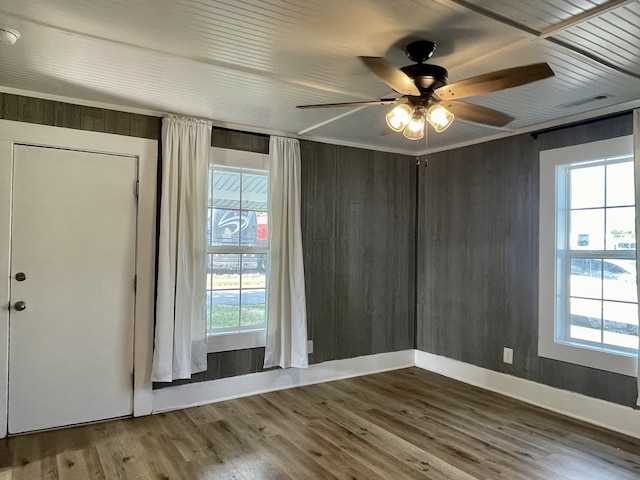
(636, 162)
(180, 340)
(286, 344)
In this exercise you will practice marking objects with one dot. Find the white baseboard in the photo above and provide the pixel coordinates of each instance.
(591, 410)
(194, 394)
(609, 415)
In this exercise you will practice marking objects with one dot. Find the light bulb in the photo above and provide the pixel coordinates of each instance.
(439, 118)
(399, 117)
(415, 128)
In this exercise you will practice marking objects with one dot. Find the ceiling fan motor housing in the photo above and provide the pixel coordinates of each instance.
(427, 77)
(420, 50)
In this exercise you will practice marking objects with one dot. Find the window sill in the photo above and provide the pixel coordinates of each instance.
(236, 341)
(600, 359)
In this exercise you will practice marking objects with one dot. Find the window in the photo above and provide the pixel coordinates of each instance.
(237, 255)
(588, 290)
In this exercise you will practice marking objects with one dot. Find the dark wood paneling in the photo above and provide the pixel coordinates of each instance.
(236, 140)
(117, 122)
(237, 362)
(224, 365)
(477, 280)
(358, 234)
(48, 112)
(617, 126)
(10, 107)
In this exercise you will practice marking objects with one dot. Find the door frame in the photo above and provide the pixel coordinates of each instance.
(146, 151)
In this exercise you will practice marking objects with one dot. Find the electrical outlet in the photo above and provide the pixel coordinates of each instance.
(309, 346)
(507, 355)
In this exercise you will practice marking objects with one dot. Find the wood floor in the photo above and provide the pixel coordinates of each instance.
(406, 424)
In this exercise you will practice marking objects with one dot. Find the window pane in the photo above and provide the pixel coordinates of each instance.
(225, 269)
(621, 324)
(254, 191)
(586, 278)
(254, 270)
(587, 187)
(253, 308)
(262, 236)
(230, 225)
(249, 230)
(621, 230)
(226, 189)
(225, 309)
(619, 280)
(620, 189)
(586, 319)
(587, 229)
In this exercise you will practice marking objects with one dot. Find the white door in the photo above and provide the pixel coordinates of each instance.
(73, 233)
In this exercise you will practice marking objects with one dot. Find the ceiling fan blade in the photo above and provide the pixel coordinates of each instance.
(495, 81)
(392, 76)
(477, 113)
(382, 101)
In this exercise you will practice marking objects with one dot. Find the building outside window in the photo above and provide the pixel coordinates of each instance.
(237, 255)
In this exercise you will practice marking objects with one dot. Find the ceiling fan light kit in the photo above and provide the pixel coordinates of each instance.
(407, 119)
(398, 118)
(415, 129)
(425, 86)
(439, 118)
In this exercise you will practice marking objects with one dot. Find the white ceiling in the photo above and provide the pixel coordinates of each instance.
(246, 64)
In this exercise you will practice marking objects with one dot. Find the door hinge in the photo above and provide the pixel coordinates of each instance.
(137, 188)
(135, 284)
(133, 380)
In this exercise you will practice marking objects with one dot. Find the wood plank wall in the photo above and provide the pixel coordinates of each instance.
(358, 229)
(58, 114)
(477, 284)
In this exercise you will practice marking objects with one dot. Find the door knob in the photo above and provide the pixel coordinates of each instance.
(19, 306)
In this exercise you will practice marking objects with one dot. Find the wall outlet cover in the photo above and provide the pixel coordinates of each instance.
(309, 347)
(507, 355)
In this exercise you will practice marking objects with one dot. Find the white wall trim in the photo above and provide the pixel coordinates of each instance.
(598, 412)
(194, 394)
(591, 410)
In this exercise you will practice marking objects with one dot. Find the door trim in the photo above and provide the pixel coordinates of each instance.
(146, 151)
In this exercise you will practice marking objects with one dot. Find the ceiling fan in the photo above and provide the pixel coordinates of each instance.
(429, 97)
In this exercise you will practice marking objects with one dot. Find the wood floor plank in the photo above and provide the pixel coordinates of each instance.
(421, 460)
(292, 460)
(79, 465)
(257, 465)
(366, 453)
(407, 424)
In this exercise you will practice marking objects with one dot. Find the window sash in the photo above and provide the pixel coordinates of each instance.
(237, 330)
(564, 255)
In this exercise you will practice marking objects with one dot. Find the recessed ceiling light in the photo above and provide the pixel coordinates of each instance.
(9, 36)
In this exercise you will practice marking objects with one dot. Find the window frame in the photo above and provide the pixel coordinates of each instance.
(600, 357)
(233, 340)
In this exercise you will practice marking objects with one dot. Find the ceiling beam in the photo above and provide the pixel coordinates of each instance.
(332, 119)
(583, 17)
(547, 33)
